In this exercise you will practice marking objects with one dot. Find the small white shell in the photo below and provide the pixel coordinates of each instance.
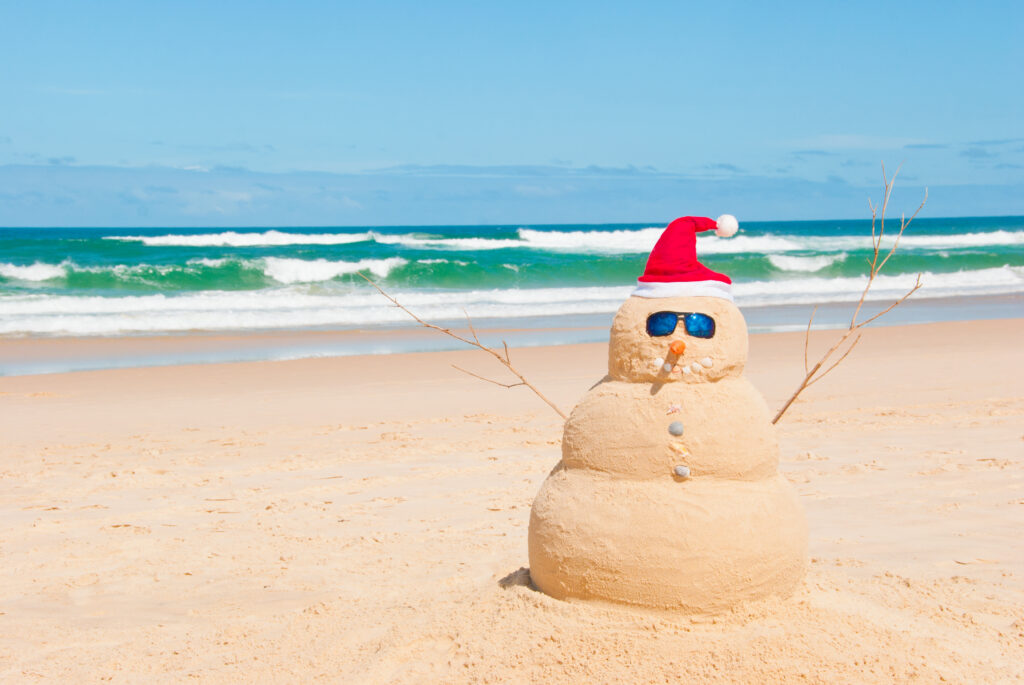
(706, 362)
(679, 448)
(695, 366)
(659, 361)
(682, 471)
(666, 367)
(686, 369)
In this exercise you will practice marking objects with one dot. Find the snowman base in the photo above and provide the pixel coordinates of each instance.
(701, 546)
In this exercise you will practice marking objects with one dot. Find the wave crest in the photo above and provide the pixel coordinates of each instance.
(298, 306)
(236, 239)
(806, 264)
(38, 271)
(624, 241)
(285, 270)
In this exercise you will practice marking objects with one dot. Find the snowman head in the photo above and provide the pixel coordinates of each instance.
(677, 339)
(681, 323)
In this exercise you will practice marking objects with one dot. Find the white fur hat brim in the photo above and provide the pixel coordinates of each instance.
(684, 289)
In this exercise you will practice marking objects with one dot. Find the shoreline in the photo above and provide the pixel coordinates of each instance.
(31, 355)
(364, 519)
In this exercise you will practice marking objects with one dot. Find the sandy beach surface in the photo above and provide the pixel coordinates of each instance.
(363, 520)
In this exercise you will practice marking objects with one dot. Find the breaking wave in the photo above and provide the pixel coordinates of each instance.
(808, 264)
(297, 306)
(632, 241)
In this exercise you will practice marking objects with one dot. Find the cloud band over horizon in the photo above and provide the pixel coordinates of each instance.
(63, 195)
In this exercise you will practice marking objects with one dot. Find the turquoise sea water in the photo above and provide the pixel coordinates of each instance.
(96, 281)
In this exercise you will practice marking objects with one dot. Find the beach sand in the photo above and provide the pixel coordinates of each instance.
(363, 519)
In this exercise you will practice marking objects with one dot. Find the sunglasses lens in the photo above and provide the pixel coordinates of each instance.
(661, 323)
(698, 325)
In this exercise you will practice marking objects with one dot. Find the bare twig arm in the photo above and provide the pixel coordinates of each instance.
(895, 304)
(484, 378)
(813, 374)
(469, 322)
(505, 361)
(835, 364)
(807, 336)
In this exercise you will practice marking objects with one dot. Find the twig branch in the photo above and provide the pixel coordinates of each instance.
(825, 372)
(469, 322)
(484, 378)
(505, 360)
(815, 373)
(807, 336)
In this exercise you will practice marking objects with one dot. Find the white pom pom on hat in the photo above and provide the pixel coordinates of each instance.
(726, 226)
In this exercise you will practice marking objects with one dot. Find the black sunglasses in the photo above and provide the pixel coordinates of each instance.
(664, 323)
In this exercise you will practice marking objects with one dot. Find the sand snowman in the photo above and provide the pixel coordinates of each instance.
(668, 493)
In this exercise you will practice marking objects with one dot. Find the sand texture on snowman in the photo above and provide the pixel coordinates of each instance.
(668, 493)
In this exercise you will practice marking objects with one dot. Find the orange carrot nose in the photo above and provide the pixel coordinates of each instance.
(677, 347)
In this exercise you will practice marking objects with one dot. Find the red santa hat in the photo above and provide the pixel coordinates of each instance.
(673, 270)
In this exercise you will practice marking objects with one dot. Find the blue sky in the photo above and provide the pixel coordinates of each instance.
(257, 113)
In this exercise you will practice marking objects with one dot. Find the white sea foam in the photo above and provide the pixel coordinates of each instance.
(33, 272)
(626, 241)
(914, 242)
(457, 262)
(1001, 280)
(235, 239)
(990, 238)
(298, 306)
(806, 264)
(46, 272)
(640, 241)
(282, 270)
(212, 263)
(285, 270)
(437, 242)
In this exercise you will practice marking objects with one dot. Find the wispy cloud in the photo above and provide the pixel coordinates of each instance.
(41, 194)
(803, 154)
(926, 146)
(978, 153)
(236, 146)
(997, 141)
(852, 141)
(502, 171)
(721, 166)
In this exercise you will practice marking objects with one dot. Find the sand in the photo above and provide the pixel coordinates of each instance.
(363, 519)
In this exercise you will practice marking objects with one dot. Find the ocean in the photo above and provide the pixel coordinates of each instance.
(128, 282)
